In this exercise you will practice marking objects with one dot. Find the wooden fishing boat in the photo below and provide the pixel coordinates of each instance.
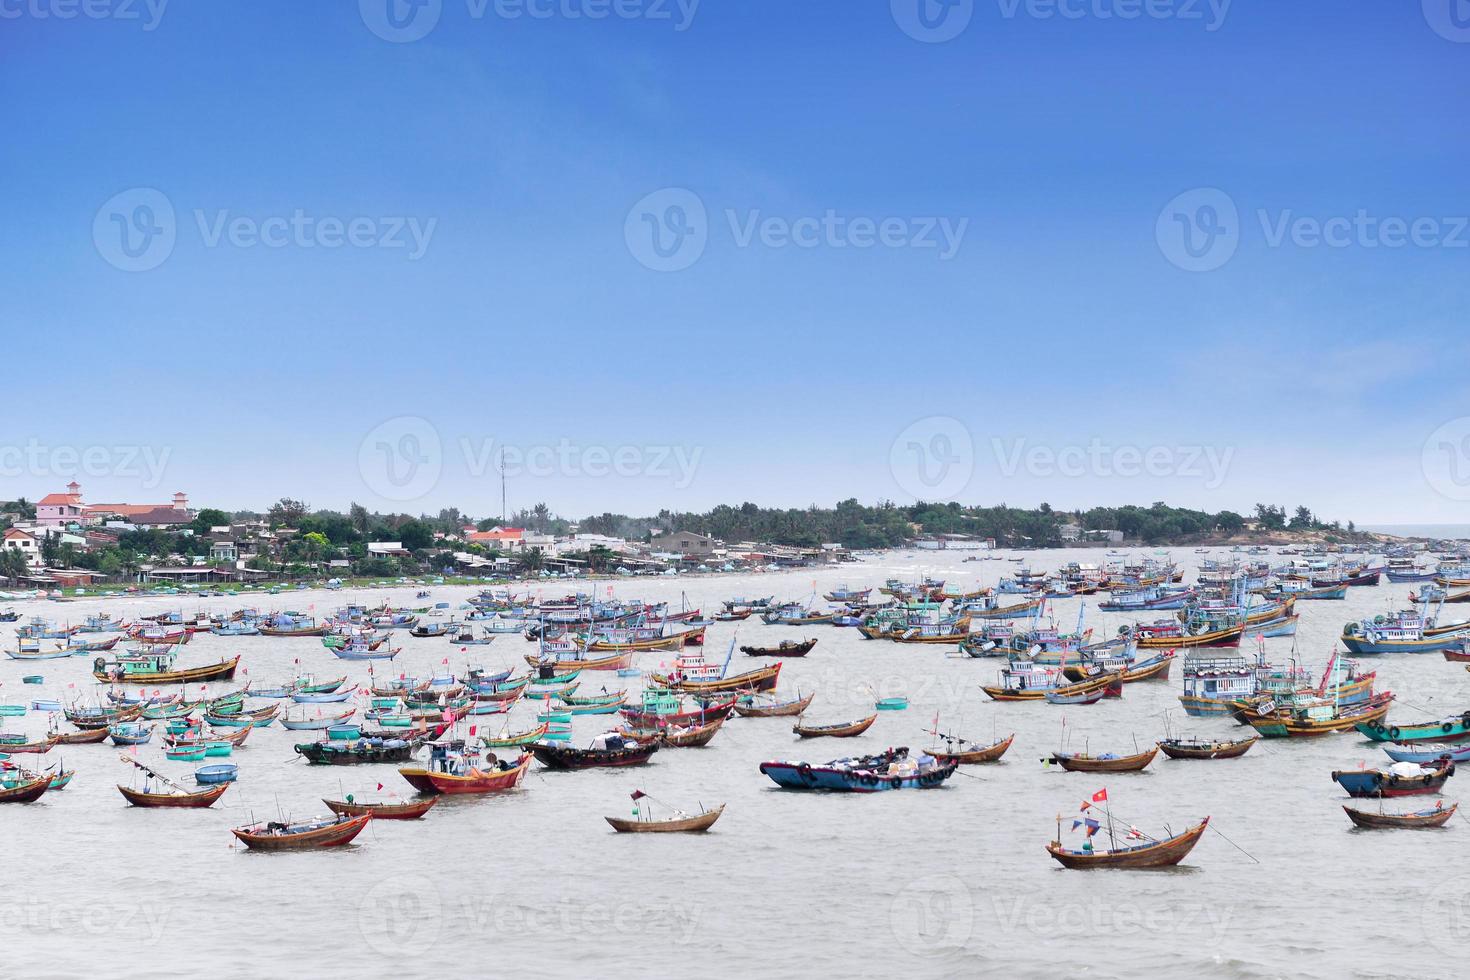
(1082, 697)
(1153, 854)
(149, 671)
(61, 778)
(1082, 762)
(1153, 669)
(182, 799)
(615, 751)
(963, 756)
(307, 723)
(514, 739)
(1399, 779)
(32, 748)
(570, 666)
(1227, 636)
(308, 835)
(1436, 816)
(692, 737)
(780, 709)
(888, 770)
(1455, 728)
(843, 729)
(1317, 719)
(294, 630)
(85, 737)
(24, 786)
(787, 648)
(359, 752)
(762, 679)
(411, 810)
(1194, 748)
(683, 824)
(493, 779)
(661, 643)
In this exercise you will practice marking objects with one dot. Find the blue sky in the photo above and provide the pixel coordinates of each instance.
(1062, 330)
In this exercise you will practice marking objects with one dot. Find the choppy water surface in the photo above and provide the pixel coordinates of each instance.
(937, 883)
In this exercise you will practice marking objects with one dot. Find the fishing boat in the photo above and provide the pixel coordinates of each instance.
(322, 697)
(16, 744)
(1207, 748)
(1435, 816)
(1314, 716)
(1106, 762)
(507, 739)
(306, 835)
(1426, 752)
(954, 750)
(677, 736)
(787, 648)
(90, 736)
(1151, 854)
(1455, 728)
(572, 665)
(23, 786)
(884, 771)
(597, 704)
(610, 749)
(679, 822)
(694, 674)
(156, 667)
(411, 810)
(468, 773)
(314, 723)
(176, 796)
(1399, 779)
(757, 708)
(223, 772)
(361, 751)
(128, 733)
(1405, 631)
(292, 626)
(841, 729)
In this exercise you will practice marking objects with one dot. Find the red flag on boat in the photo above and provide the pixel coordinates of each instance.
(1086, 806)
(638, 794)
(444, 661)
(380, 786)
(473, 728)
(1101, 796)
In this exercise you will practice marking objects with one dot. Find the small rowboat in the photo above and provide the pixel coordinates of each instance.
(1082, 762)
(988, 753)
(1195, 748)
(1083, 697)
(304, 836)
(847, 729)
(186, 753)
(891, 704)
(675, 825)
(1436, 816)
(630, 753)
(1155, 854)
(512, 739)
(776, 709)
(32, 748)
(693, 737)
(411, 810)
(476, 780)
(224, 772)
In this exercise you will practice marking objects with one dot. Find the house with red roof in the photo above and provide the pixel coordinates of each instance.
(24, 542)
(58, 509)
(503, 538)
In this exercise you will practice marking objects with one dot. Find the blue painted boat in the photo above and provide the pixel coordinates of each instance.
(224, 772)
(43, 704)
(629, 672)
(1421, 753)
(1399, 779)
(344, 733)
(130, 733)
(891, 704)
(333, 698)
(867, 774)
(33, 679)
(362, 653)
